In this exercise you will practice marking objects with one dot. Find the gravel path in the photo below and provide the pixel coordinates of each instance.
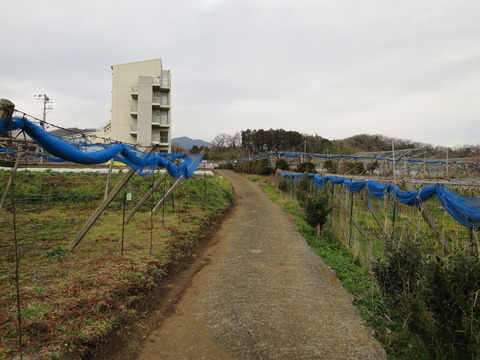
(263, 294)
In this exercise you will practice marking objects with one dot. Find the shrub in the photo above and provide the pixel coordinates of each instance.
(452, 288)
(401, 269)
(316, 208)
(306, 167)
(263, 167)
(353, 167)
(330, 166)
(303, 189)
(259, 167)
(436, 297)
(283, 184)
(282, 164)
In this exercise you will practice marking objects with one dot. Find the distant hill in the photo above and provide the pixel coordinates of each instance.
(187, 143)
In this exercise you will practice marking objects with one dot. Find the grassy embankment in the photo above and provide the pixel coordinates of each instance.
(71, 301)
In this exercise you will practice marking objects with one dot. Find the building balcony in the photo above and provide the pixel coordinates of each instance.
(133, 111)
(162, 82)
(160, 105)
(156, 124)
(134, 92)
(133, 130)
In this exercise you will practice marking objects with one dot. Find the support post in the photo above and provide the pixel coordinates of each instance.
(146, 196)
(473, 239)
(101, 208)
(430, 220)
(355, 222)
(9, 184)
(172, 189)
(168, 194)
(375, 216)
(351, 221)
(109, 179)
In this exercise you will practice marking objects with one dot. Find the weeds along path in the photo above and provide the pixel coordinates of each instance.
(262, 295)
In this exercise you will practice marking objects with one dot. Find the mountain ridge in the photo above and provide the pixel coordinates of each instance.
(187, 143)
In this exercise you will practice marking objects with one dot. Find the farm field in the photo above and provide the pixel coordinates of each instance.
(71, 301)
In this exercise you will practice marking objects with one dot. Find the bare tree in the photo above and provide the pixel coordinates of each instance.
(221, 141)
(236, 141)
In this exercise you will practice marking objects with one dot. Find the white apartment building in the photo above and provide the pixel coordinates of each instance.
(141, 112)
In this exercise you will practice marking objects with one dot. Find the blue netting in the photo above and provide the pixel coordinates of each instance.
(378, 190)
(412, 198)
(465, 210)
(354, 186)
(89, 154)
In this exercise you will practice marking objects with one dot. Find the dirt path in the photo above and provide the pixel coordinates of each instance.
(261, 294)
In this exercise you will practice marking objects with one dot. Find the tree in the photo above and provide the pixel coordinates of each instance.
(235, 141)
(316, 208)
(221, 141)
(306, 167)
(177, 149)
(282, 164)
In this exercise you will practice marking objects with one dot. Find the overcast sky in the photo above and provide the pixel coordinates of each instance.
(407, 69)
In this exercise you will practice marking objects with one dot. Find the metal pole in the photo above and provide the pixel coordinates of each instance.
(123, 220)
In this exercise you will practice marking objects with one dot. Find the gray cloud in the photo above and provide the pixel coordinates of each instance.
(406, 69)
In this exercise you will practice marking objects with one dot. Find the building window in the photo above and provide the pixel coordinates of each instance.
(164, 99)
(164, 136)
(164, 119)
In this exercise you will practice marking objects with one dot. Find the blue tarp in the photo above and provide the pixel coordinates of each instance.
(88, 154)
(465, 210)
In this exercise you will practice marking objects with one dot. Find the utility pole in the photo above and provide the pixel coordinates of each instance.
(46, 101)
